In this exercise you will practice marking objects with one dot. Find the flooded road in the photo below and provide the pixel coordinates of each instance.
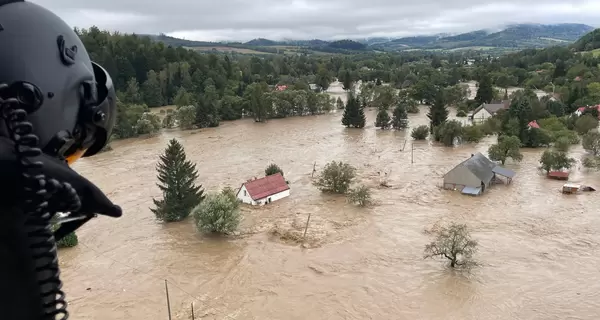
(538, 248)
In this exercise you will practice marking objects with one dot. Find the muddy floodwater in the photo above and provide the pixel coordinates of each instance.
(538, 251)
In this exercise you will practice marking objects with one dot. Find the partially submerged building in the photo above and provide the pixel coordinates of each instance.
(474, 175)
(264, 190)
(487, 110)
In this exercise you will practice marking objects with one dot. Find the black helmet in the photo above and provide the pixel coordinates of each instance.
(71, 101)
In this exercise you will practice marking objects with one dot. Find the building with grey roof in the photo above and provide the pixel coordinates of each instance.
(474, 175)
(487, 110)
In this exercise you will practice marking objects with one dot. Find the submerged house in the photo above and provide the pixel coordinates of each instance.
(487, 110)
(474, 175)
(264, 190)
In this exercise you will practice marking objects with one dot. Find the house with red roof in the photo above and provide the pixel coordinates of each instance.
(533, 124)
(580, 110)
(264, 190)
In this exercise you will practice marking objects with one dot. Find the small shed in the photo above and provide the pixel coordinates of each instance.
(264, 190)
(570, 188)
(558, 175)
(507, 173)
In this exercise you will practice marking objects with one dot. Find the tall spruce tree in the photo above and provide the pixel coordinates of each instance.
(383, 119)
(400, 117)
(176, 176)
(438, 113)
(347, 80)
(354, 115)
(485, 92)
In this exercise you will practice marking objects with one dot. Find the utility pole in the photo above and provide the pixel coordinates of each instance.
(306, 227)
(412, 153)
(168, 302)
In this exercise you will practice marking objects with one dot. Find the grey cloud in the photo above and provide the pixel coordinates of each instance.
(325, 19)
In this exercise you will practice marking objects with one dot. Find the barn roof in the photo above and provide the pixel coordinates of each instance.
(480, 166)
(492, 108)
(267, 186)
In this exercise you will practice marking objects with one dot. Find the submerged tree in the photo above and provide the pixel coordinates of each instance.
(218, 213)
(273, 169)
(360, 195)
(447, 132)
(336, 177)
(176, 176)
(455, 244)
(420, 132)
(438, 113)
(507, 147)
(400, 117)
(339, 104)
(354, 114)
(555, 160)
(383, 119)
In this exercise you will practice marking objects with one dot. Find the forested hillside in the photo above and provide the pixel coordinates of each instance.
(224, 87)
(588, 42)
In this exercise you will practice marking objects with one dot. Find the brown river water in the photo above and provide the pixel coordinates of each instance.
(538, 251)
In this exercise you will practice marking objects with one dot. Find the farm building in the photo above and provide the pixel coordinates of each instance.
(264, 190)
(474, 175)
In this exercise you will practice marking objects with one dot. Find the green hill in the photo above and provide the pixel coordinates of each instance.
(516, 36)
(513, 37)
(588, 42)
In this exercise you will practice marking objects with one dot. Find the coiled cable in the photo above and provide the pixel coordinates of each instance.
(44, 197)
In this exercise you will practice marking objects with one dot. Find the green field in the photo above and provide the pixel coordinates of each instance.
(227, 49)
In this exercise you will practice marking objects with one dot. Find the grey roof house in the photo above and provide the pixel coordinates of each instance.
(487, 110)
(474, 175)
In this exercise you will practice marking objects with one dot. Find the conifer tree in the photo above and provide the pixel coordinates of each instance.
(485, 92)
(354, 115)
(347, 80)
(400, 117)
(339, 103)
(438, 113)
(383, 119)
(176, 176)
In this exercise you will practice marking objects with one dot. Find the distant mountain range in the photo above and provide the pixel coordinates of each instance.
(515, 36)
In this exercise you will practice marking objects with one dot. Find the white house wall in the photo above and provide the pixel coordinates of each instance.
(275, 197)
(460, 177)
(244, 197)
(481, 116)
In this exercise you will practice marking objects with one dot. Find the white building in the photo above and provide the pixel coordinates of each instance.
(485, 111)
(264, 190)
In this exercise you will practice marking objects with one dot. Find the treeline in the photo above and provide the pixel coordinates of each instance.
(226, 87)
(573, 77)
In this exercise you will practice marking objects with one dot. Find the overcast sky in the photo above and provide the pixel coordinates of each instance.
(216, 20)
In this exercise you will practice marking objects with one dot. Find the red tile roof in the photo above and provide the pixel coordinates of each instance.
(534, 124)
(558, 174)
(267, 186)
